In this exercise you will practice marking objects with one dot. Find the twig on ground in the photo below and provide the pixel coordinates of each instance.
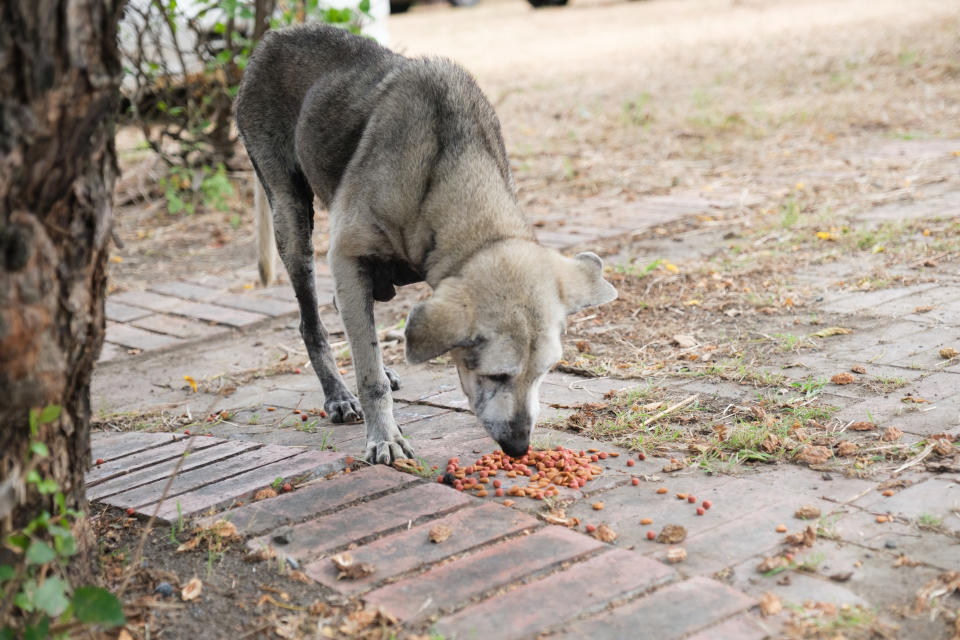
(923, 454)
(669, 410)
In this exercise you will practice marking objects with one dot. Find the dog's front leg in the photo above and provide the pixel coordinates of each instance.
(354, 294)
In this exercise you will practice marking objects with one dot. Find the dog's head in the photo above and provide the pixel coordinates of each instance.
(501, 319)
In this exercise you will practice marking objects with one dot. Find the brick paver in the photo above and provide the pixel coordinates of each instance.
(136, 338)
(462, 580)
(552, 601)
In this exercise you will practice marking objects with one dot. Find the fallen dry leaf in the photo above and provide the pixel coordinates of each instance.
(773, 563)
(949, 352)
(814, 454)
(807, 512)
(439, 533)
(349, 568)
(831, 331)
(190, 544)
(191, 590)
(862, 426)
(684, 341)
(944, 447)
(605, 534)
(675, 465)
(289, 626)
(857, 368)
(939, 588)
(263, 494)
(264, 553)
(770, 604)
(221, 528)
(908, 399)
(559, 517)
(841, 576)
(805, 538)
(891, 434)
(771, 443)
(299, 576)
(843, 378)
(903, 560)
(846, 449)
(676, 554)
(923, 309)
(672, 534)
(357, 621)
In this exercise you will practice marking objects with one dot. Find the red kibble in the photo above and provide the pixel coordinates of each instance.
(297, 370)
(287, 487)
(707, 504)
(186, 432)
(498, 493)
(348, 460)
(691, 499)
(591, 528)
(602, 455)
(130, 511)
(595, 458)
(99, 461)
(323, 414)
(641, 456)
(651, 535)
(582, 482)
(439, 479)
(701, 511)
(630, 462)
(635, 481)
(453, 461)
(496, 484)
(303, 417)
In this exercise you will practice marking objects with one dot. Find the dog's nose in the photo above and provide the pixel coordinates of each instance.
(514, 448)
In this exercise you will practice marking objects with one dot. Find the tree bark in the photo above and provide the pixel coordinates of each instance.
(59, 74)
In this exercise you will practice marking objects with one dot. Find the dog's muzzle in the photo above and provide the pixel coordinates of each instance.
(515, 448)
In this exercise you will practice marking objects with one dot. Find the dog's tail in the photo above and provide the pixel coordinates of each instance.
(266, 242)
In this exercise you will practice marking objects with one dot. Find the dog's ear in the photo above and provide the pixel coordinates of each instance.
(581, 284)
(437, 325)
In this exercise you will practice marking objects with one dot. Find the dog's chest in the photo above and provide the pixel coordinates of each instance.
(388, 273)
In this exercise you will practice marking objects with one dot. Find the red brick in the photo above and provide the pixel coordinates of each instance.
(202, 475)
(672, 612)
(411, 548)
(243, 486)
(366, 520)
(316, 497)
(132, 337)
(467, 578)
(116, 467)
(110, 446)
(552, 601)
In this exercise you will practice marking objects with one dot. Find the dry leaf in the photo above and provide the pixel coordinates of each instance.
(674, 465)
(770, 604)
(891, 434)
(191, 382)
(862, 426)
(289, 626)
(843, 378)
(605, 534)
(805, 538)
(846, 449)
(923, 309)
(944, 447)
(676, 554)
(357, 621)
(684, 341)
(440, 532)
(807, 512)
(903, 560)
(263, 494)
(299, 576)
(221, 528)
(771, 443)
(559, 516)
(190, 544)
(192, 590)
(350, 569)
(812, 454)
(857, 368)
(939, 588)
(672, 534)
(773, 563)
(124, 635)
(831, 331)
(949, 352)
(908, 399)
(265, 553)
(319, 608)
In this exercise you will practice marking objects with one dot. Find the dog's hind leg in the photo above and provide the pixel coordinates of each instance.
(292, 203)
(354, 294)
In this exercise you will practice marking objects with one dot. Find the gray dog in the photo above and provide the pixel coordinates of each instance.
(408, 157)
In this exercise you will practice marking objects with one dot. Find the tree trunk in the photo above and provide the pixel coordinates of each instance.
(59, 73)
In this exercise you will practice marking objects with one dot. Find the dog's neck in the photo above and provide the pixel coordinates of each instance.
(455, 247)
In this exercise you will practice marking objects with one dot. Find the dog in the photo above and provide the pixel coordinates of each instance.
(408, 157)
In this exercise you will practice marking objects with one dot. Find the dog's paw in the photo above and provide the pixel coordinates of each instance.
(392, 377)
(386, 451)
(343, 408)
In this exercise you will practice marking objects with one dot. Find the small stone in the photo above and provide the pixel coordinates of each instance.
(283, 535)
(890, 544)
(292, 562)
(164, 590)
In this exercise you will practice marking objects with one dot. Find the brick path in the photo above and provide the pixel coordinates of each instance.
(505, 573)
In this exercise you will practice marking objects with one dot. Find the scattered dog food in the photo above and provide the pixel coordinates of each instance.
(647, 521)
(691, 499)
(651, 535)
(781, 528)
(888, 492)
(635, 481)
(701, 511)
(546, 472)
(662, 490)
(591, 528)
(99, 461)
(598, 506)
(882, 519)
(707, 504)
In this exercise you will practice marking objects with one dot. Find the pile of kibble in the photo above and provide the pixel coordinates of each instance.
(545, 472)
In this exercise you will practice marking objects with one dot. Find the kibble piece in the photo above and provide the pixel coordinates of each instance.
(508, 503)
(630, 462)
(707, 504)
(888, 492)
(651, 535)
(682, 496)
(691, 499)
(597, 506)
(882, 519)
(662, 490)
(701, 511)
(647, 521)
(635, 481)
(781, 528)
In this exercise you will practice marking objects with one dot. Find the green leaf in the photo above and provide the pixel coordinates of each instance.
(6, 634)
(22, 599)
(40, 449)
(66, 545)
(49, 413)
(19, 540)
(40, 552)
(34, 414)
(94, 605)
(6, 572)
(48, 486)
(51, 596)
(39, 631)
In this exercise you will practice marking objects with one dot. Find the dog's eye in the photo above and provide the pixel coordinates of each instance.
(502, 378)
